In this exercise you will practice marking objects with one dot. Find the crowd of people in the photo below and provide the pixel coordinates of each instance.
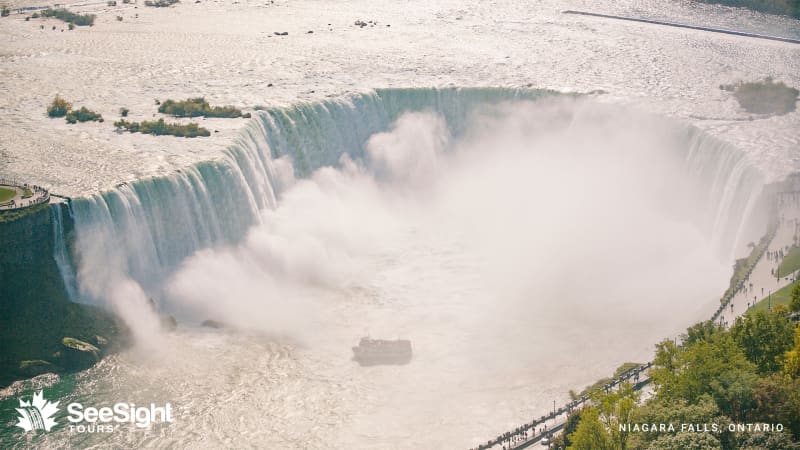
(34, 195)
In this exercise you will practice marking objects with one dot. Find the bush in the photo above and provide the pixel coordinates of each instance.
(59, 107)
(111, 3)
(198, 107)
(764, 97)
(784, 7)
(119, 18)
(124, 112)
(160, 3)
(83, 115)
(160, 128)
(4, 12)
(80, 20)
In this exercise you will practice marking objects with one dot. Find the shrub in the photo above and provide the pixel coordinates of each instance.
(119, 18)
(784, 7)
(83, 115)
(764, 97)
(80, 20)
(160, 3)
(112, 3)
(160, 128)
(71, 26)
(4, 12)
(198, 107)
(124, 112)
(59, 107)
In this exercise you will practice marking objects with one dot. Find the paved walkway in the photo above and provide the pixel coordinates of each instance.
(763, 281)
(20, 201)
(758, 285)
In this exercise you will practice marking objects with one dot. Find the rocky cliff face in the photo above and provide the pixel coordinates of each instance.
(35, 312)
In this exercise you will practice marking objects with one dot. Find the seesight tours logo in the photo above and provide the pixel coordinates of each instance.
(38, 413)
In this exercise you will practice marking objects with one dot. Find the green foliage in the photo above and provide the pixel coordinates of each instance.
(687, 372)
(791, 359)
(790, 263)
(777, 400)
(794, 301)
(765, 97)
(658, 411)
(160, 3)
(600, 384)
(159, 128)
(616, 408)
(7, 194)
(83, 115)
(198, 107)
(686, 441)
(59, 107)
(782, 297)
(785, 7)
(124, 112)
(4, 11)
(564, 440)
(764, 337)
(766, 441)
(65, 15)
(699, 332)
(742, 266)
(590, 433)
(733, 393)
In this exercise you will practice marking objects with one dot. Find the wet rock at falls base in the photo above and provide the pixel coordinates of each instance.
(79, 355)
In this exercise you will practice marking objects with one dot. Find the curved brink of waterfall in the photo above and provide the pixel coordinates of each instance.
(149, 226)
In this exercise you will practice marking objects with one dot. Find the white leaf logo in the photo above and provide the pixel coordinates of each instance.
(37, 415)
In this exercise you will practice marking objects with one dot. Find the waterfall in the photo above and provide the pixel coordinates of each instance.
(731, 185)
(148, 227)
(60, 252)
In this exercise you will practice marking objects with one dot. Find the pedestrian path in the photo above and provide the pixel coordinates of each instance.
(759, 283)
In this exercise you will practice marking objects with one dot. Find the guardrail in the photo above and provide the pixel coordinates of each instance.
(38, 196)
(519, 438)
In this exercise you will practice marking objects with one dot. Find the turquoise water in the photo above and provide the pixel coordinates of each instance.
(256, 390)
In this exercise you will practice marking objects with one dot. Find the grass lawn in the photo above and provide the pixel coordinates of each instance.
(7, 194)
(790, 263)
(781, 297)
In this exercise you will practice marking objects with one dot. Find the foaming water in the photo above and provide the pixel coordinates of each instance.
(523, 247)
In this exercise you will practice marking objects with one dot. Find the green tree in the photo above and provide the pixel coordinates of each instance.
(700, 332)
(686, 441)
(764, 337)
(563, 439)
(590, 434)
(733, 392)
(791, 359)
(777, 400)
(674, 412)
(665, 366)
(794, 302)
(687, 374)
(616, 408)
